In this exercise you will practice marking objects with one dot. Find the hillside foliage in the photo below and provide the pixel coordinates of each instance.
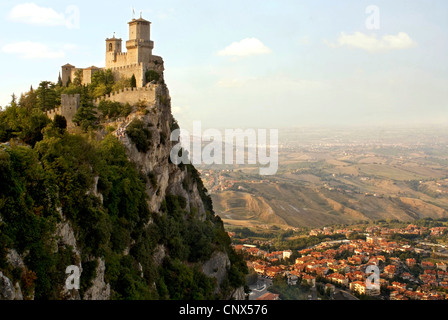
(48, 175)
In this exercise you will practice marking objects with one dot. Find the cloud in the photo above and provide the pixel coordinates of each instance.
(232, 83)
(373, 44)
(30, 13)
(32, 50)
(244, 48)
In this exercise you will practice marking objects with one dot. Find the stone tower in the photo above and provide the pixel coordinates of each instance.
(138, 57)
(67, 72)
(113, 48)
(139, 45)
(135, 62)
(70, 104)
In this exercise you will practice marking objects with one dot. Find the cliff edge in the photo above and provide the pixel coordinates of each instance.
(111, 205)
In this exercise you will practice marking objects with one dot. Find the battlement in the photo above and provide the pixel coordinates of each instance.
(113, 53)
(68, 100)
(130, 66)
(70, 104)
(124, 65)
(130, 95)
(139, 42)
(53, 112)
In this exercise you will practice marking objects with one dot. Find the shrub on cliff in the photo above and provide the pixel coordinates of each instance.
(140, 135)
(152, 75)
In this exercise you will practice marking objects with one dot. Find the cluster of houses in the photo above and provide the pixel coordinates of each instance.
(345, 264)
(218, 181)
(381, 231)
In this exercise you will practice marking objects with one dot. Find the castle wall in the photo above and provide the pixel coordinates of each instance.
(135, 61)
(127, 71)
(70, 104)
(116, 59)
(52, 113)
(131, 96)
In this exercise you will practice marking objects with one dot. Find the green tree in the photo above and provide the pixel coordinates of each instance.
(60, 122)
(133, 81)
(29, 100)
(77, 81)
(18, 122)
(59, 80)
(86, 116)
(111, 109)
(152, 75)
(121, 84)
(47, 97)
(140, 135)
(102, 83)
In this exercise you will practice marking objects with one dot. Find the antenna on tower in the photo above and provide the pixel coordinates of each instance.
(141, 13)
(133, 13)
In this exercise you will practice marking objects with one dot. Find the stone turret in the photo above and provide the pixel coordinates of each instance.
(139, 45)
(138, 58)
(70, 104)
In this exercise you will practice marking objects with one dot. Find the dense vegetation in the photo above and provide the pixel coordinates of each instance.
(284, 240)
(48, 96)
(48, 175)
(140, 135)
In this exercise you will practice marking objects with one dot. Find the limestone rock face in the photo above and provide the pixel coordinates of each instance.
(67, 236)
(7, 290)
(170, 179)
(156, 162)
(159, 254)
(100, 290)
(239, 294)
(164, 178)
(15, 259)
(217, 266)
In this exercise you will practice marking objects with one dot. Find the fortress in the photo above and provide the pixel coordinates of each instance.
(135, 62)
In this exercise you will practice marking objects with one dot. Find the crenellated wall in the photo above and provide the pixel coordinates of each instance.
(70, 104)
(116, 59)
(135, 61)
(131, 96)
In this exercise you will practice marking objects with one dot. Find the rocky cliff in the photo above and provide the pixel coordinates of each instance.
(136, 225)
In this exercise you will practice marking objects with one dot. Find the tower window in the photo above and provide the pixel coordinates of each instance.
(110, 47)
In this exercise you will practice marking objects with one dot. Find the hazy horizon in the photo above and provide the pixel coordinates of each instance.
(254, 64)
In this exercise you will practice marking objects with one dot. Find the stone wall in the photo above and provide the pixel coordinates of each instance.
(116, 59)
(70, 104)
(138, 70)
(127, 71)
(131, 96)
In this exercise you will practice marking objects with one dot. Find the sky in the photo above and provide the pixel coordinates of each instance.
(252, 63)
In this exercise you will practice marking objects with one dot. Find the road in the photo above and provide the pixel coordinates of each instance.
(343, 295)
(260, 288)
(263, 284)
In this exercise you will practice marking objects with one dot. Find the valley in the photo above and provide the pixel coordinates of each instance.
(338, 176)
